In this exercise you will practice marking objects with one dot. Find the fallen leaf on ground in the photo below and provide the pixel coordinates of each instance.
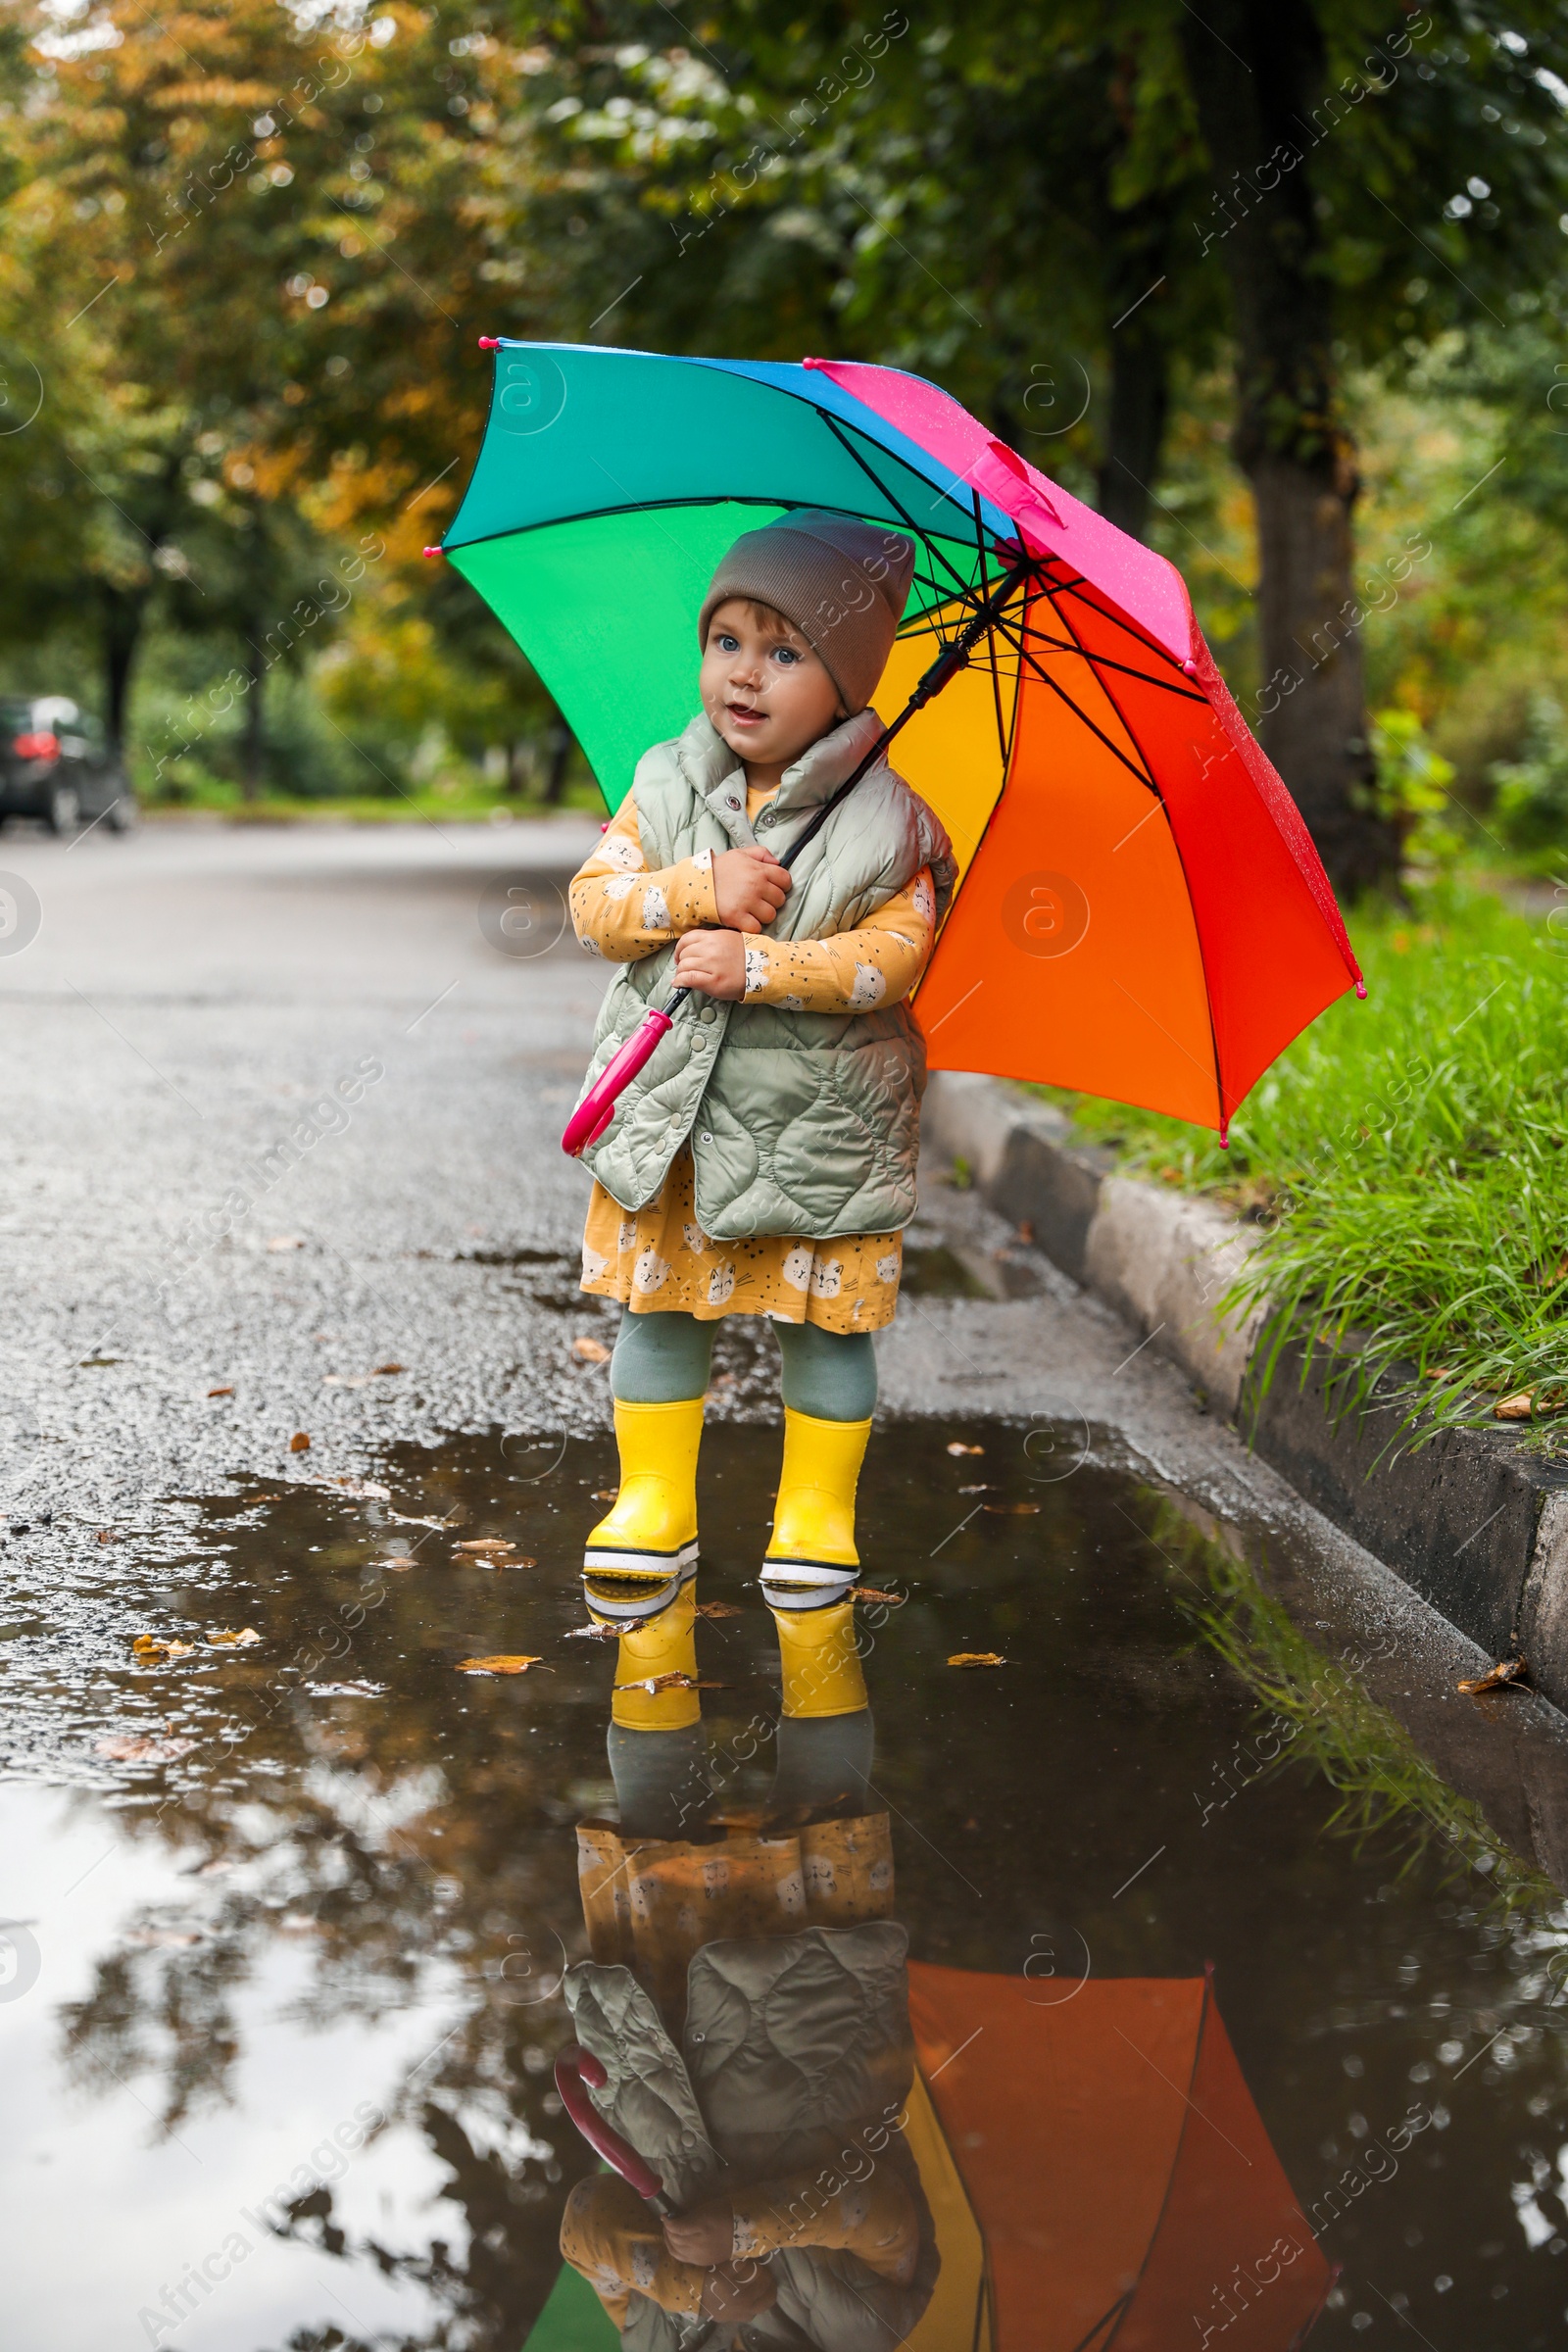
(220, 1391)
(503, 1665)
(164, 1938)
(1512, 1408)
(401, 1519)
(1497, 1678)
(958, 1447)
(976, 1657)
(286, 1241)
(245, 1639)
(299, 1443)
(717, 1608)
(485, 1544)
(1011, 1510)
(128, 1749)
(105, 1535)
(159, 1646)
(870, 1592)
(593, 1632)
(653, 1684)
(590, 1352)
(604, 1494)
(344, 1690)
(974, 1489)
(365, 1487)
(387, 1367)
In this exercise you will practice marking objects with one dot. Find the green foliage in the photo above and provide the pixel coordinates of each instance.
(1532, 803)
(1405, 1162)
(1412, 786)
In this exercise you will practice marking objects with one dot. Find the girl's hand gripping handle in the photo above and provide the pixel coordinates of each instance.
(597, 1108)
(574, 2066)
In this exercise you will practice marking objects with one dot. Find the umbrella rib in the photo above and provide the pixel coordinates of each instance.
(1185, 694)
(1073, 644)
(1097, 2339)
(634, 506)
(1045, 679)
(1004, 726)
(964, 590)
(1108, 612)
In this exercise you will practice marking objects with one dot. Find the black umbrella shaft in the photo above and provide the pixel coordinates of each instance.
(942, 672)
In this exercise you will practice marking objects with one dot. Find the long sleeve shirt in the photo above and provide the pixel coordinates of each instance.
(623, 911)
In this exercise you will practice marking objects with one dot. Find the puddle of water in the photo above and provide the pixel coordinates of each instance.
(940, 1273)
(282, 2003)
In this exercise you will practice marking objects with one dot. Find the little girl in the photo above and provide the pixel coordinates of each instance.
(763, 1163)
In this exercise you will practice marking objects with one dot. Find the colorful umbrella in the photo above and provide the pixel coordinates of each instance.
(1142, 913)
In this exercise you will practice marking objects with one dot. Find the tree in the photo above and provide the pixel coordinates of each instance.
(1325, 143)
(1131, 177)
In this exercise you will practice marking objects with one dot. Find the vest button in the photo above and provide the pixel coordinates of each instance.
(766, 817)
(709, 1012)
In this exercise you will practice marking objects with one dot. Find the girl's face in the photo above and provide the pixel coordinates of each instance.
(764, 690)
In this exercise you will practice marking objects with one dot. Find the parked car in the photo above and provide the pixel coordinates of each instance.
(55, 763)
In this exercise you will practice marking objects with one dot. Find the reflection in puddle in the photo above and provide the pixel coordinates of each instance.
(282, 2009)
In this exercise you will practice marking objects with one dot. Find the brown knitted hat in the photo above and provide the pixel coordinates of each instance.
(843, 583)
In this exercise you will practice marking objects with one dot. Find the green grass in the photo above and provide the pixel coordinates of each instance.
(1405, 1162)
(435, 803)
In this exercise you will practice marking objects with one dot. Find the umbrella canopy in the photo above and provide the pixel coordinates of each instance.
(1142, 915)
(1115, 2168)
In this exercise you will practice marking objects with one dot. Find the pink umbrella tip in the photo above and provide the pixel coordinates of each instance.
(814, 363)
(489, 342)
(1360, 987)
(1189, 667)
(1224, 1135)
(433, 551)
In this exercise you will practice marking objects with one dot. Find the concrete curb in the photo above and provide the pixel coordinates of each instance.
(1477, 1527)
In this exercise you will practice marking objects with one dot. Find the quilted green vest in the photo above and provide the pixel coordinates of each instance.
(795, 2055)
(800, 1122)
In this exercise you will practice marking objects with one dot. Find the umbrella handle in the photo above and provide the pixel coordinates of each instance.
(597, 1108)
(574, 2066)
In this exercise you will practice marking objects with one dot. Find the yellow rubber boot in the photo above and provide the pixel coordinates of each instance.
(814, 1523)
(645, 1547)
(818, 1650)
(661, 1646)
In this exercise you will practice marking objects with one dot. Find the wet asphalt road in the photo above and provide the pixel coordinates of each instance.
(283, 1108)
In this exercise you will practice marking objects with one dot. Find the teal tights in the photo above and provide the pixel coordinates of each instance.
(661, 1359)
